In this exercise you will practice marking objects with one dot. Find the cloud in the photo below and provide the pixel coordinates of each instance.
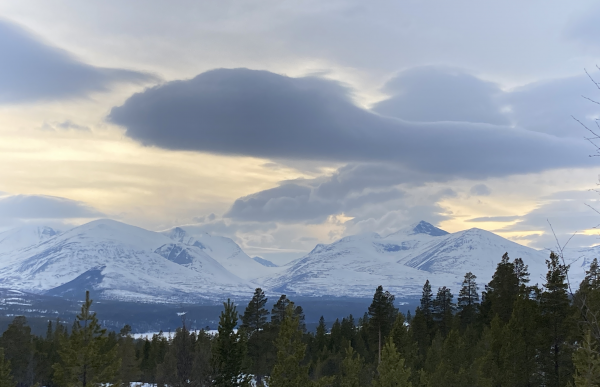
(31, 70)
(26, 207)
(64, 125)
(480, 190)
(430, 94)
(262, 114)
(494, 219)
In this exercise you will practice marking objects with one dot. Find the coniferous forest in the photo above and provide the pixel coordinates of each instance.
(509, 332)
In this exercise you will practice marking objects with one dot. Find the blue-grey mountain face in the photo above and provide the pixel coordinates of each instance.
(264, 262)
(427, 228)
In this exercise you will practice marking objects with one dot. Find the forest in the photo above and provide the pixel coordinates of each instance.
(508, 332)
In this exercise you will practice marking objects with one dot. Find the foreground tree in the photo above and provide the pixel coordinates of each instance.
(288, 370)
(84, 361)
(587, 363)
(6, 379)
(468, 300)
(391, 371)
(229, 351)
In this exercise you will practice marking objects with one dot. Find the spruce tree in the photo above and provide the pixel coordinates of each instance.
(255, 315)
(442, 310)
(391, 371)
(468, 300)
(382, 313)
(288, 370)
(321, 335)
(229, 351)
(427, 300)
(82, 359)
(6, 379)
(279, 308)
(17, 342)
(130, 369)
(558, 324)
(501, 293)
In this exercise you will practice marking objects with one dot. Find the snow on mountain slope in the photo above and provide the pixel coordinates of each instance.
(222, 249)
(402, 262)
(123, 262)
(24, 236)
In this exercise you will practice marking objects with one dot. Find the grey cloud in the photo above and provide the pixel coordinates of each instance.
(494, 219)
(480, 190)
(31, 70)
(261, 114)
(44, 207)
(350, 187)
(549, 106)
(429, 94)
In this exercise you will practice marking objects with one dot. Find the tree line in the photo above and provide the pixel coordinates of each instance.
(511, 333)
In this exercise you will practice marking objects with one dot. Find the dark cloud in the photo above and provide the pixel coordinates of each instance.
(31, 70)
(480, 190)
(261, 114)
(494, 219)
(44, 207)
(430, 94)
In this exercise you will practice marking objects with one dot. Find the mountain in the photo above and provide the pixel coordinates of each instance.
(223, 250)
(25, 236)
(265, 262)
(402, 262)
(119, 261)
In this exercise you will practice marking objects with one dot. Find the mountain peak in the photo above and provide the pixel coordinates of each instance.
(424, 227)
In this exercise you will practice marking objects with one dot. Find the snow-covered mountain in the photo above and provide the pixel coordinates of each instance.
(120, 262)
(24, 236)
(402, 262)
(223, 250)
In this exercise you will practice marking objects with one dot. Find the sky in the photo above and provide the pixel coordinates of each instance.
(283, 124)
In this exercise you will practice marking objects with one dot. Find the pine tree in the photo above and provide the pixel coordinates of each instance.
(382, 313)
(278, 311)
(288, 370)
(587, 300)
(587, 363)
(17, 342)
(427, 300)
(558, 324)
(501, 293)
(83, 362)
(391, 371)
(321, 335)
(130, 369)
(177, 368)
(229, 351)
(255, 315)
(468, 300)
(6, 379)
(442, 309)
(351, 369)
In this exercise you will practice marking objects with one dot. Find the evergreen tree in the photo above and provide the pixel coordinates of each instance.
(521, 273)
(288, 370)
(130, 370)
(17, 342)
(321, 335)
(442, 309)
(351, 369)
(427, 300)
(82, 360)
(501, 293)
(176, 369)
(382, 313)
(229, 351)
(587, 300)
(278, 311)
(6, 379)
(391, 371)
(587, 363)
(558, 324)
(255, 315)
(468, 300)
